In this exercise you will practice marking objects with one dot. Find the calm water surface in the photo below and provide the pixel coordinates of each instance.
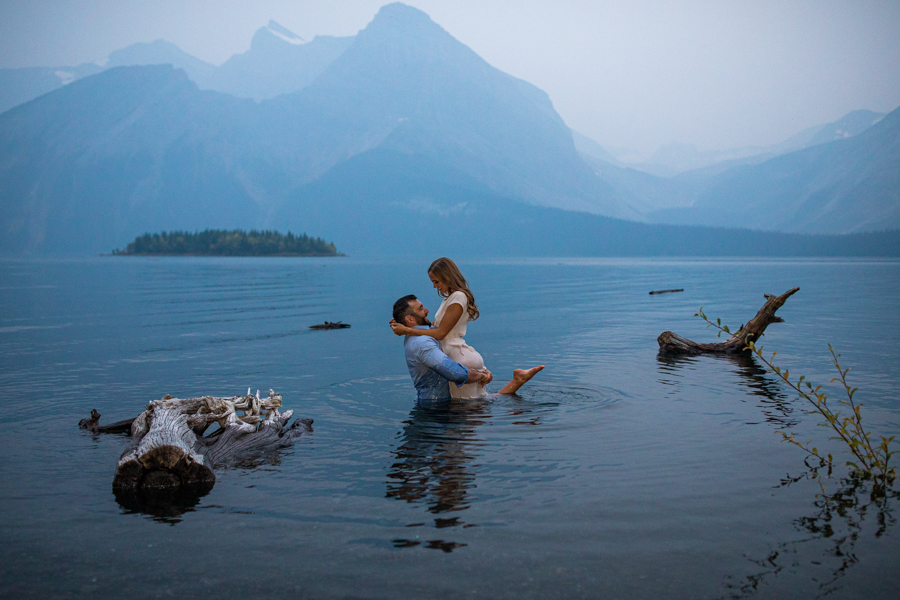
(616, 473)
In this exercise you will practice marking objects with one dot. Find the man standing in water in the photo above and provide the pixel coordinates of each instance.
(432, 370)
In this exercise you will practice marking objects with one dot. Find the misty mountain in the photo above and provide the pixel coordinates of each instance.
(278, 62)
(715, 194)
(676, 158)
(590, 148)
(69, 190)
(406, 84)
(130, 149)
(851, 184)
(849, 125)
(137, 149)
(161, 52)
(384, 202)
(21, 85)
(18, 86)
(405, 125)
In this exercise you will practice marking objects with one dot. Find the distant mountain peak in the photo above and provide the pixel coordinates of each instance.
(274, 36)
(160, 52)
(284, 33)
(144, 53)
(401, 34)
(851, 124)
(399, 16)
(398, 10)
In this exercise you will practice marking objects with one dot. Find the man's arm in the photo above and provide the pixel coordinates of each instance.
(446, 367)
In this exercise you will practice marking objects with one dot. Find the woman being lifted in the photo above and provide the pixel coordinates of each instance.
(449, 328)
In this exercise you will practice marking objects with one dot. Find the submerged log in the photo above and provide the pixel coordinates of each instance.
(672, 343)
(169, 454)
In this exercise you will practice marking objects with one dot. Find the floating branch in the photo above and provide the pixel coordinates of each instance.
(95, 427)
(330, 325)
(672, 343)
(168, 452)
(666, 291)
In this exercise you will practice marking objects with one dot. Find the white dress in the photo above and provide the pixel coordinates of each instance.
(454, 346)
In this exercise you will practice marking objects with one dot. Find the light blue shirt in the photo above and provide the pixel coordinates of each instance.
(431, 370)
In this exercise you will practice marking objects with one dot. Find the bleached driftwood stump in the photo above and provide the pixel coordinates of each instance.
(168, 451)
(672, 343)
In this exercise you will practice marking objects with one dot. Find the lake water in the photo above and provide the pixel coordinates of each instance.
(616, 473)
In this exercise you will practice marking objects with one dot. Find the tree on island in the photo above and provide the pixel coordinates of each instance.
(218, 242)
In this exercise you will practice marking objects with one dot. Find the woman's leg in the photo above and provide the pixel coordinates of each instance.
(520, 377)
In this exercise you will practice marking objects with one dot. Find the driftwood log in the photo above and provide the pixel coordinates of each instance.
(168, 452)
(672, 343)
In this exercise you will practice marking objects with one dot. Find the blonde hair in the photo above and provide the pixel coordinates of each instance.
(446, 271)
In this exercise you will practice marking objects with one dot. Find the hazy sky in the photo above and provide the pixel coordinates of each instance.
(628, 73)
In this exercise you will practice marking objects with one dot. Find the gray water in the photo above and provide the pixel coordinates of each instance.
(616, 473)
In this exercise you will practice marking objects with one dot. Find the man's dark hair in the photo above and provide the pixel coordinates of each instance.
(401, 308)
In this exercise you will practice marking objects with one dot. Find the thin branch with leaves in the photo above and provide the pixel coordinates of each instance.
(871, 460)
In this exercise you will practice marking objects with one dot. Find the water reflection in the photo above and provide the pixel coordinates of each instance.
(162, 506)
(828, 551)
(777, 407)
(432, 465)
(167, 506)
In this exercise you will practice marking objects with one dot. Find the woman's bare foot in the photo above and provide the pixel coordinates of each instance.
(520, 377)
(523, 375)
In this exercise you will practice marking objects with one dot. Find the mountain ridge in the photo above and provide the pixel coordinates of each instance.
(133, 149)
(841, 186)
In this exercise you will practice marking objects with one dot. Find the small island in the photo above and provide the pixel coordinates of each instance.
(218, 242)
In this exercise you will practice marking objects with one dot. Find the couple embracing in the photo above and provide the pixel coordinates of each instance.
(436, 353)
